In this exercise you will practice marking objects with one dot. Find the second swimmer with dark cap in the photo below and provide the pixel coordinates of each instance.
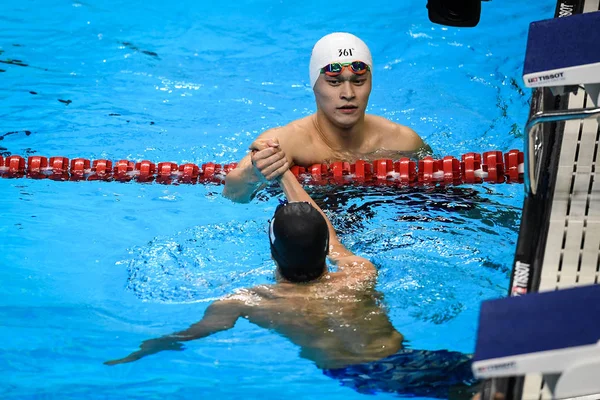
(299, 238)
(336, 318)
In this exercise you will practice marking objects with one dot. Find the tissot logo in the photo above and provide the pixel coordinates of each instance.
(546, 78)
(498, 367)
(565, 10)
(521, 279)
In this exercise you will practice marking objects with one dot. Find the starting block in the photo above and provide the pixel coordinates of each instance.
(562, 53)
(552, 333)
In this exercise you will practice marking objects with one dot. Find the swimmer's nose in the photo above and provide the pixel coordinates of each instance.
(347, 91)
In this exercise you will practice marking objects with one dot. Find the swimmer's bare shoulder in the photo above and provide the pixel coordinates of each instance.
(353, 270)
(393, 136)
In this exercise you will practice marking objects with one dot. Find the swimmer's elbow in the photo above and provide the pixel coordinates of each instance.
(235, 190)
(235, 196)
(241, 184)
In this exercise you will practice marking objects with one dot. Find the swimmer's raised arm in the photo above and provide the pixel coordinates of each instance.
(338, 253)
(219, 316)
(266, 161)
(295, 192)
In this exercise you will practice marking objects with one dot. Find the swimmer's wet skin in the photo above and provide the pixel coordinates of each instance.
(336, 318)
(341, 73)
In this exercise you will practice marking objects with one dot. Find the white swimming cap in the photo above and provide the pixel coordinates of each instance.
(337, 47)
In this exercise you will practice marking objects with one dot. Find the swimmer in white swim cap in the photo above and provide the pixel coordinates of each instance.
(341, 73)
(343, 50)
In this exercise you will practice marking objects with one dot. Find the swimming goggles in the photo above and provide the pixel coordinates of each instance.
(335, 69)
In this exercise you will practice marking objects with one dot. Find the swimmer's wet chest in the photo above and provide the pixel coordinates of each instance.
(316, 153)
(328, 156)
(309, 148)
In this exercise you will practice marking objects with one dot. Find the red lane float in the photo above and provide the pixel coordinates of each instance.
(492, 167)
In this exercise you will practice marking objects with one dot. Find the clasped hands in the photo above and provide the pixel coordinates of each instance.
(269, 160)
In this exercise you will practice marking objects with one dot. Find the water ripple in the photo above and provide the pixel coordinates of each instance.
(200, 264)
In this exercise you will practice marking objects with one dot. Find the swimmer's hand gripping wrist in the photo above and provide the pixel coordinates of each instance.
(268, 159)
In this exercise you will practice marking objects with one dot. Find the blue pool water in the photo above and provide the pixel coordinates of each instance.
(88, 270)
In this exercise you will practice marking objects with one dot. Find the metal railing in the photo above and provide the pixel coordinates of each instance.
(533, 144)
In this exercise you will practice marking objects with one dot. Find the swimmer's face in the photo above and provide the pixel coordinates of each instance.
(343, 98)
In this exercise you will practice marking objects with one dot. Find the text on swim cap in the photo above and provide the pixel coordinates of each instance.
(345, 52)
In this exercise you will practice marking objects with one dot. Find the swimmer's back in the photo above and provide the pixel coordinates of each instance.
(337, 321)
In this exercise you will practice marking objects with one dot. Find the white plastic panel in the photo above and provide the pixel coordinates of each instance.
(532, 387)
(591, 6)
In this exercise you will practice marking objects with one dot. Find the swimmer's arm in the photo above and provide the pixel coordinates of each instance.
(219, 316)
(242, 183)
(338, 253)
(295, 192)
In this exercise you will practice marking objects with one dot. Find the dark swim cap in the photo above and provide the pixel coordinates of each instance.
(299, 241)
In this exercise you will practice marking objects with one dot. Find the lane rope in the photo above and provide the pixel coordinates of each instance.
(472, 168)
